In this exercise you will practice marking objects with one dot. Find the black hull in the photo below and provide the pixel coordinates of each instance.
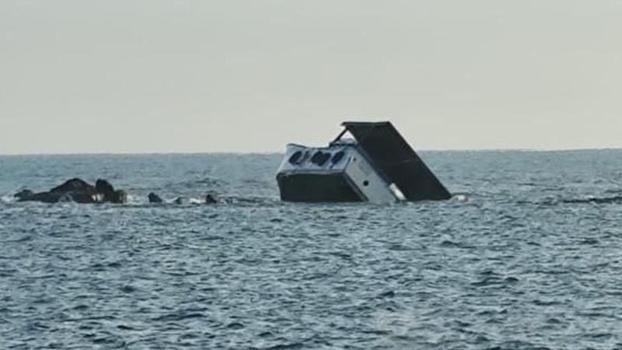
(397, 161)
(317, 188)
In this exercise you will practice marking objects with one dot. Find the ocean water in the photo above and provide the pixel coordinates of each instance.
(528, 255)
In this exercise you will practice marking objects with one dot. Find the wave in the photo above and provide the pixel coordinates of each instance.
(594, 200)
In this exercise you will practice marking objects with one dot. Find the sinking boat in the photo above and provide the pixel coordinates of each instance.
(375, 164)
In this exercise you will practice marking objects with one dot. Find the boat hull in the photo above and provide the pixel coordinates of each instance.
(317, 188)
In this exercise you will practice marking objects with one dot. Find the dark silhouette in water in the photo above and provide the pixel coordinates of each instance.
(154, 198)
(23, 194)
(76, 190)
(79, 191)
(110, 195)
(75, 185)
(210, 199)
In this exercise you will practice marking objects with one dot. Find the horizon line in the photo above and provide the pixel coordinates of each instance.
(535, 150)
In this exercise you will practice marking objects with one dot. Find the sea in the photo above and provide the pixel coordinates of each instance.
(526, 255)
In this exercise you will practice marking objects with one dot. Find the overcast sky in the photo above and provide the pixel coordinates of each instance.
(249, 76)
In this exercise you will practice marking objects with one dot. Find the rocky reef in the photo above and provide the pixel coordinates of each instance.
(79, 191)
(76, 190)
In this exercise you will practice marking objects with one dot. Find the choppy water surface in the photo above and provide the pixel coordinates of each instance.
(523, 261)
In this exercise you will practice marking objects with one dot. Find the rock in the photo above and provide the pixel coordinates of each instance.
(79, 197)
(23, 194)
(76, 190)
(44, 197)
(55, 197)
(154, 198)
(209, 199)
(65, 197)
(75, 185)
(104, 187)
(119, 197)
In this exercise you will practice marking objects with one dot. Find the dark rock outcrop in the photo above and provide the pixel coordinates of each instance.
(119, 197)
(76, 190)
(23, 194)
(106, 189)
(75, 185)
(154, 198)
(210, 199)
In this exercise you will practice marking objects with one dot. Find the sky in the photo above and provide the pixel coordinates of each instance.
(153, 76)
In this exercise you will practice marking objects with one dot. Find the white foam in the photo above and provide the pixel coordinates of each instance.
(194, 201)
(7, 199)
(460, 198)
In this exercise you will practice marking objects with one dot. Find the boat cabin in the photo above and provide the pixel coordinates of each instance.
(374, 164)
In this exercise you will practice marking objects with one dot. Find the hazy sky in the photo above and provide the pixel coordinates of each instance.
(249, 76)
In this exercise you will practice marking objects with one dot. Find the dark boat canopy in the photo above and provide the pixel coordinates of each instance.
(396, 160)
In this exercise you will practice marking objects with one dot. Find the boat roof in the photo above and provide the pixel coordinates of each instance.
(396, 160)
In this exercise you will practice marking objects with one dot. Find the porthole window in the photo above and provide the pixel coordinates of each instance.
(295, 158)
(325, 158)
(338, 157)
(320, 158)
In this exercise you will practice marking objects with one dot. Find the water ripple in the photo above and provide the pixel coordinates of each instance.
(517, 262)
